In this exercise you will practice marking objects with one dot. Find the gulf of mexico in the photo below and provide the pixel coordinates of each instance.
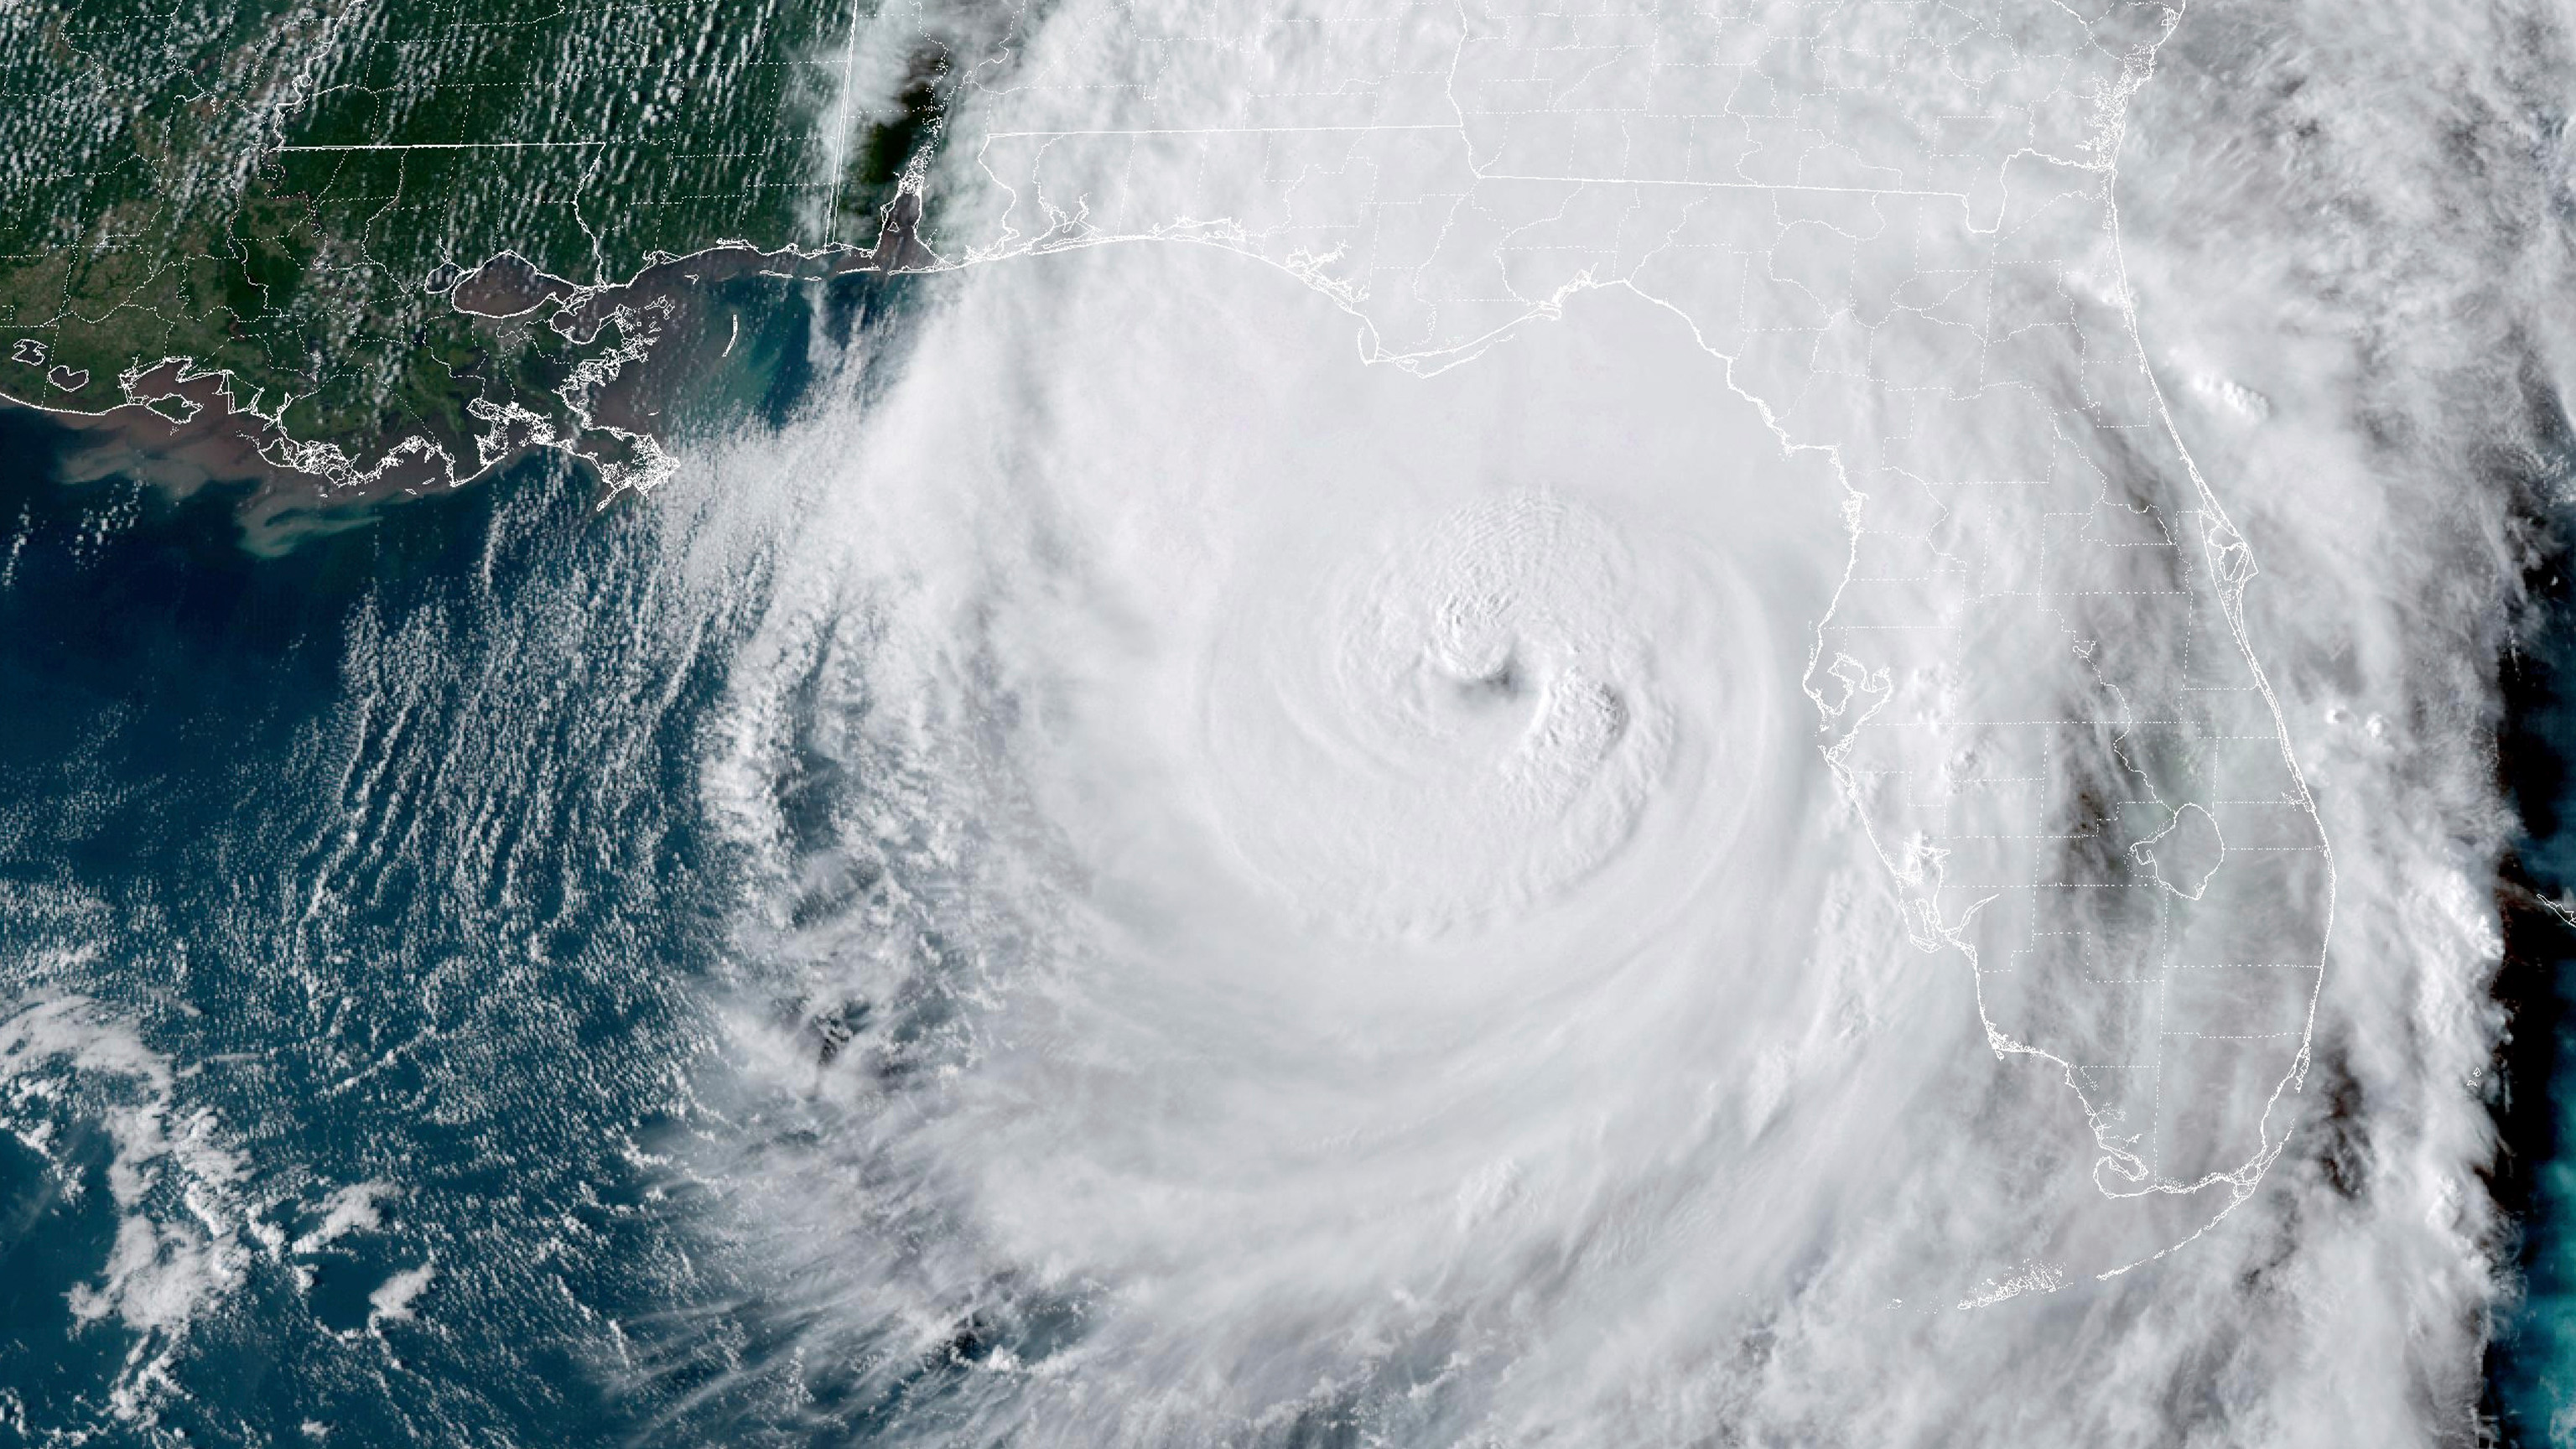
(362, 876)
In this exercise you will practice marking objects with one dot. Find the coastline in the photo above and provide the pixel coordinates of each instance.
(181, 428)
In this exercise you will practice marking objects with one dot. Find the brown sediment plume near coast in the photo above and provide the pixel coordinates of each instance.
(182, 429)
(186, 431)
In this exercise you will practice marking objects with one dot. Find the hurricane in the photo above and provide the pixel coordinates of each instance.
(1428, 727)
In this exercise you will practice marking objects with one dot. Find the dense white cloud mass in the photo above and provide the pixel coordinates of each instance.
(1731, 851)
(69, 1068)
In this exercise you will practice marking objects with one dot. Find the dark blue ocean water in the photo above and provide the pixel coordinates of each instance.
(387, 852)
(2531, 1382)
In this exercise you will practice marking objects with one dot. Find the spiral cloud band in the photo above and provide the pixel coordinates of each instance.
(1694, 838)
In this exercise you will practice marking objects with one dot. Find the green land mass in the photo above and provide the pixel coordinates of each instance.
(272, 190)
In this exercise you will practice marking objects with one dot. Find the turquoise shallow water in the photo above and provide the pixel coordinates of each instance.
(374, 866)
(2531, 1381)
(389, 852)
